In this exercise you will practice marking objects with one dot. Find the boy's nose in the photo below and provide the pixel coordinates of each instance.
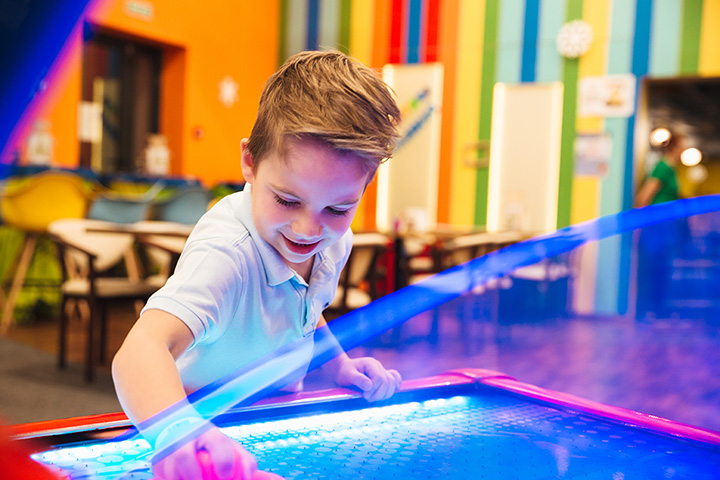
(307, 227)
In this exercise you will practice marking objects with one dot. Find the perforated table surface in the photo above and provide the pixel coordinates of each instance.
(470, 424)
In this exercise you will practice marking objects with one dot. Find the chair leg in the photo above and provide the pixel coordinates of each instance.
(103, 333)
(90, 344)
(62, 336)
(18, 280)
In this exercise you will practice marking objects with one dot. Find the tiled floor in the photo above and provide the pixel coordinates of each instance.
(667, 368)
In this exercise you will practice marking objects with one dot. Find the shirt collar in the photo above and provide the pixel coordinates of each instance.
(276, 271)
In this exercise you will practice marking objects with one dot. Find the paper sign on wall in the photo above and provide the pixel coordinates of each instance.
(606, 96)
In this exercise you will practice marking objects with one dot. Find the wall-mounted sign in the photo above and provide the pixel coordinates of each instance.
(228, 91)
(592, 154)
(608, 96)
(139, 9)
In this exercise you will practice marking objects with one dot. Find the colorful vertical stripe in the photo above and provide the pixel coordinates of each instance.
(468, 75)
(487, 82)
(666, 29)
(514, 41)
(530, 40)
(690, 42)
(709, 56)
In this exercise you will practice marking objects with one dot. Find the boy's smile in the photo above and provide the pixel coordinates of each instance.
(306, 200)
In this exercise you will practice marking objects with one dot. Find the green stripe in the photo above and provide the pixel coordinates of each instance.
(487, 82)
(282, 50)
(690, 41)
(567, 145)
(344, 34)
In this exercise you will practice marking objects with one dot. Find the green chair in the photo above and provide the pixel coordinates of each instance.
(30, 205)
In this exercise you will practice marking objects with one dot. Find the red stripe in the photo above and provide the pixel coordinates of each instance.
(432, 21)
(397, 31)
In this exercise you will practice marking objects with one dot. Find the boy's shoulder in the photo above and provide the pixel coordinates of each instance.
(223, 223)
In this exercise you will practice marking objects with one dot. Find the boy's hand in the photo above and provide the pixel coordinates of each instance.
(368, 375)
(211, 456)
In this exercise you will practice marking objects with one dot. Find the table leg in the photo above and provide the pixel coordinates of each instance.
(18, 280)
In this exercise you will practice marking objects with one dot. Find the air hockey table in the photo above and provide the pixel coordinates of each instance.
(462, 424)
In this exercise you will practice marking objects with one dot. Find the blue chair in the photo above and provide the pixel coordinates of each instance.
(186, 206)
(117, 207)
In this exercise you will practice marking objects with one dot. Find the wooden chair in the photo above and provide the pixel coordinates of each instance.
(358, 280)
(30, 205)
(458, 250)
(88, 250)
(170, 216)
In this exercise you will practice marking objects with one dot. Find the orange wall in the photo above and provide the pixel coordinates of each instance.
(202, 45)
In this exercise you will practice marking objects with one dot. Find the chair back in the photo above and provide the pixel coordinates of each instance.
(363, 259)
(95, 237)
(186, 206)
(467, 247)
(118, 207)
(33, 203)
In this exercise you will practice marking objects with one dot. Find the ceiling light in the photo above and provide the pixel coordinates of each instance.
(697, 174)
(690, 157)
(659, 136)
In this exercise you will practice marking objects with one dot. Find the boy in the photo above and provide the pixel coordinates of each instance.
(261, 265)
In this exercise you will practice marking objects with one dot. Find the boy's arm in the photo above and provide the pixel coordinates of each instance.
(146, 378)
(647, 192)
(147, 381)
(365, 373)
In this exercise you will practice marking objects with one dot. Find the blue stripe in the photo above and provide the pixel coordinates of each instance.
(313, 24)
(612, 200)
(640, 62)
(415, 8)
(530, 40)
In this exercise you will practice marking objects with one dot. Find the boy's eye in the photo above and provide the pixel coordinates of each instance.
(285, 203)
(336, 212)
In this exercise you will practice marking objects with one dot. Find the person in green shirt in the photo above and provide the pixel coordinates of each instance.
(662, 185)
(659, 244)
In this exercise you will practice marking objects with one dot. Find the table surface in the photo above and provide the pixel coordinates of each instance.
(469, 424)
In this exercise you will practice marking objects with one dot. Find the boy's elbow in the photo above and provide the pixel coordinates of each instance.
(118, 365)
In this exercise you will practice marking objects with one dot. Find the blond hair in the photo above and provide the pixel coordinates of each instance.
(329, 97)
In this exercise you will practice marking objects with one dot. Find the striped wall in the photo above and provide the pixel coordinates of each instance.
(486, 41)
(482, 42)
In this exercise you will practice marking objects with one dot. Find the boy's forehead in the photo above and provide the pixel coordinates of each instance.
(294, 147)
(300, 155)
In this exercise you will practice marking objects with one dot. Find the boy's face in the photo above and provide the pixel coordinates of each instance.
(304, 202)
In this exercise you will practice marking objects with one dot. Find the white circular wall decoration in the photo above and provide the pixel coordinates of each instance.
(574, 39)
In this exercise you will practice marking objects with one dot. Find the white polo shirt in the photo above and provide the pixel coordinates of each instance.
(238, 297)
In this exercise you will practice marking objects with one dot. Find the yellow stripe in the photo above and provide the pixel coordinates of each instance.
(709, 62)
(594, 61)
(362, 15)
(361, 30)
(586, 190)
(471, 18)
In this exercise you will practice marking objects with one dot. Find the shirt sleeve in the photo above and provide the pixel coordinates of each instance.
(205, 289)
(662, 172)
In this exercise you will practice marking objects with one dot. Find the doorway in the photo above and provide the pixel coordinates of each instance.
(121, 77)
(689, 107)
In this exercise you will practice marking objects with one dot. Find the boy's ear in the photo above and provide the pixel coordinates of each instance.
(246, 161)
